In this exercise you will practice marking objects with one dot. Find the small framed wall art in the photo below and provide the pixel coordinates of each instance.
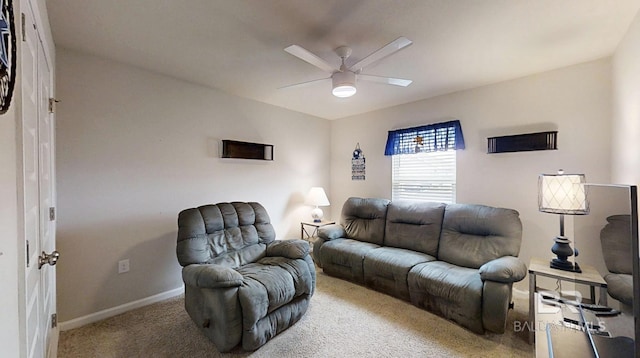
(357, 164)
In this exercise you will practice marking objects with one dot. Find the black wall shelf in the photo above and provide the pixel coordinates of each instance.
(246, 150)
(523, 142)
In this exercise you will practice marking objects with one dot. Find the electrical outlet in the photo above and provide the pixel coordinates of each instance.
(123, 266)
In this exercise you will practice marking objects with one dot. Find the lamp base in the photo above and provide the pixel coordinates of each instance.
(317, 215)
(565, 265)
(563, 250)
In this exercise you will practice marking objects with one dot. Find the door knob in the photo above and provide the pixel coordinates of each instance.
(50, 259)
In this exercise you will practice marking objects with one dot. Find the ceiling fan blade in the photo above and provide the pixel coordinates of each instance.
(386, 80)
(311, 58)
(389, 49)
(301, 84)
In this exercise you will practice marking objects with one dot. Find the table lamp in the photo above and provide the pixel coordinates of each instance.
(563, 194)
(317, 197)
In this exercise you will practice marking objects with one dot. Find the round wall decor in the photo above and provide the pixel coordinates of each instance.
(7, 54)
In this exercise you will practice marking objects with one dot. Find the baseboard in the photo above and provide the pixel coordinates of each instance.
(110, 312)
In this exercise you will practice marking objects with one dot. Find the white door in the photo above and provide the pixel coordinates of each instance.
(46, 134)
(39, 193)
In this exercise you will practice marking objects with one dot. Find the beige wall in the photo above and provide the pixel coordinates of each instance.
(128, 139)
(575, 101)
(625, 161)
(9, 237)
(135, 148)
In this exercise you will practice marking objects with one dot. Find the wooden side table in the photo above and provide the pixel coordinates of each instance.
(589, 276)
(313, 230)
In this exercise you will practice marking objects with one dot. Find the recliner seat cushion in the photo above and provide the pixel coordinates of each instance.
(268, 285)
(451, 291)
(344, 258)
(386, 269)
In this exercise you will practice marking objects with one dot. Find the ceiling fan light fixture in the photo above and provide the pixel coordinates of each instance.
(344, 84)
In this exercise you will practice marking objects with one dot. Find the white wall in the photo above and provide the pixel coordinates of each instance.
(575, 101)
(625, 161)
(135, 148)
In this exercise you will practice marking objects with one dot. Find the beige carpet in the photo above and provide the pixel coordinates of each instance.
(343, 320)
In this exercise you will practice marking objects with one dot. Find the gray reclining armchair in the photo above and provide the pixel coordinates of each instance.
(615, 239)
(241, 286)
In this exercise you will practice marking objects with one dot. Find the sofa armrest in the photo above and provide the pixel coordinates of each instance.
(504, 269)
(330, 232)
(292, 249)
(211, 276)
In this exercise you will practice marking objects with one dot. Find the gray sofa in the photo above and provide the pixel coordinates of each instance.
(456, 260)
(241, 286)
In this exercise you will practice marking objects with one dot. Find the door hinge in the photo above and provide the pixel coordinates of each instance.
(54, 320)
(52, 214)
(52, 104)
(24, 33)
(28, 253)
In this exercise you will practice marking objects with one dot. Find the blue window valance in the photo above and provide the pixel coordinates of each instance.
(428, 138)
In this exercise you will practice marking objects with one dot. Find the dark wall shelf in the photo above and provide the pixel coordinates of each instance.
(246, 150)
(523, 142)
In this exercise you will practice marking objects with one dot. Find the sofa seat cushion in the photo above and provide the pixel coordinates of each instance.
(386, 269)
(344, 258)
(451, 291)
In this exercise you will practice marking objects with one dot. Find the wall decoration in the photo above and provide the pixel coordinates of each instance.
(523, 142)
(246, 150)
(7, 54)
(357, 164)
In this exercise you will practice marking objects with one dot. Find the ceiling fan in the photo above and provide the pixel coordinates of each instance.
(344, 78)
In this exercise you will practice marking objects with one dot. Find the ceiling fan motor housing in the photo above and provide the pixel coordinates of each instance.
(344, 84)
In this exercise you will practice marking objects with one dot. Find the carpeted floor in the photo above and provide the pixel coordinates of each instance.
(343, 320)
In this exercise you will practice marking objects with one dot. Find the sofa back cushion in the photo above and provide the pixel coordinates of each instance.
(414, 225)
(475, 234)
(230, 234)
(364, 219)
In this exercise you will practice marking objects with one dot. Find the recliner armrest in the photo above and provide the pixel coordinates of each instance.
(292, 249)
(330, 232)
(504, 269)
(211, 276)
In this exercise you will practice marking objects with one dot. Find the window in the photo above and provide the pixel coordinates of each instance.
(424, 161)
(429, 176)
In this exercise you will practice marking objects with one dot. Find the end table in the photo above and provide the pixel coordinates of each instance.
(589, 276)
(313, 227)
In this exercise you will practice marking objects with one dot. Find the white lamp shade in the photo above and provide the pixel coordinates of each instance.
(317, 197)
(562, 194)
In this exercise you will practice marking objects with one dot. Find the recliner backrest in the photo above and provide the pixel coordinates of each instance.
(473, 235)
(364, 219)
(230, 234)
(414, 225)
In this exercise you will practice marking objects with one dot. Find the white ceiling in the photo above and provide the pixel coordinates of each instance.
(237, 45)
